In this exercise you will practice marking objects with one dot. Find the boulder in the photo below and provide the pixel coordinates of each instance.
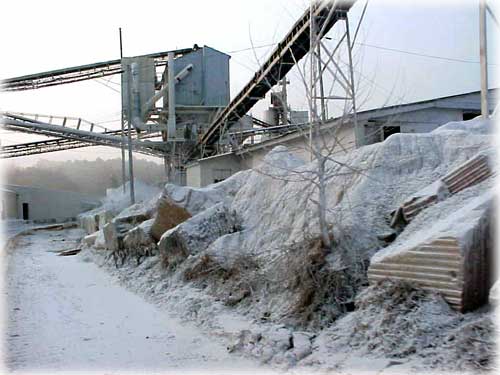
(139, 236)
(451, 256)
(169, 215)
(88, 222)
(494, 295)
(100, 241)
(301, 345)
(105, 217)
(178, 203)
(95, 219)
(197, 233)
(137, 213)
(90, 239)
(113, 235)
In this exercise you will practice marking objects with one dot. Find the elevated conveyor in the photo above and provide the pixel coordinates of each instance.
(294, 46)
(79, 73)
(22, 123)
(57, 144)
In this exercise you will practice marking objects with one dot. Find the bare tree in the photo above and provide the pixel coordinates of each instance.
(322, 139)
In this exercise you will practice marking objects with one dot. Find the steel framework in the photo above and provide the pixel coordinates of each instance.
(69, 136)
(79, 73)
(294, 46)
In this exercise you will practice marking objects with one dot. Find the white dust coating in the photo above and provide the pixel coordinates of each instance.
(66, 314)
(275, 210)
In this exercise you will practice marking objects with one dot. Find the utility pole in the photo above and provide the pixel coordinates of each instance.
(284, 101)
(357, 130)
(321, 86)
(124, 173)
(312, 88)
(130, 155)
(171, 124)
(483, 58)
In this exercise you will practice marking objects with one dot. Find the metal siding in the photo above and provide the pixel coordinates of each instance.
(216, 79)
(147, 78)
(189, 91)
(208, 82)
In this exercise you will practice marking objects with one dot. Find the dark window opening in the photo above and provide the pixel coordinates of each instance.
(470, 115)
(390, 130)
(26, 215)
(221, 174)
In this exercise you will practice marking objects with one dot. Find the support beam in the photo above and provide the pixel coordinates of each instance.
(290, 50)
(483, 57)
(124, 171)
(79, 73)
(171, 126)
(357, 130)
(130, 154)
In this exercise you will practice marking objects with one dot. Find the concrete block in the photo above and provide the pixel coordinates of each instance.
(451, 256)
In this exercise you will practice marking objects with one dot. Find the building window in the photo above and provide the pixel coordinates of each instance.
(221, 174)
(469, 115)
(389, 130)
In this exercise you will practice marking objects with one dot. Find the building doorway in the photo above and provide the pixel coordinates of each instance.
(26, 212)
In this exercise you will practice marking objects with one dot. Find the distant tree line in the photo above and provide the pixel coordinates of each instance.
(83, 176)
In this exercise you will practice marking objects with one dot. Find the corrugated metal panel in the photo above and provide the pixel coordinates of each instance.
(472, 172)
(207, 83)
(436, 265)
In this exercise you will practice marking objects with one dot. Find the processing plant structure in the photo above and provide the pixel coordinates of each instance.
(175, 104)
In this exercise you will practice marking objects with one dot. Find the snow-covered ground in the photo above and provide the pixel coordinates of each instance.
(65, 314)
(9, 228)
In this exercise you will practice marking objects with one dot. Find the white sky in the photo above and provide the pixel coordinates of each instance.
(44, 35)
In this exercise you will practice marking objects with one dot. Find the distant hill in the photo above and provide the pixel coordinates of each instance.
(89, 177)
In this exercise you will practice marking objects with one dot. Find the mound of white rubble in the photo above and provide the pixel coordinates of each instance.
(251, 242)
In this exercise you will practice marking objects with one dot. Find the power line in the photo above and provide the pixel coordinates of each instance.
(445, 58)
(251, 48)
(420, 54)
(106, 85)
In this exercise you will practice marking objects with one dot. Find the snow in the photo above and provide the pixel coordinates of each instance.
(66, 314)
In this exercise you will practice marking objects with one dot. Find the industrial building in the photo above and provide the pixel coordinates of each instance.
(176, 105)
(43, 205)
(376, 125)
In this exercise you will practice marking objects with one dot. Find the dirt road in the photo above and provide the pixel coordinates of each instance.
(64, 314)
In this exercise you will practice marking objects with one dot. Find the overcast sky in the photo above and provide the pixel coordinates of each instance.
(44, 35)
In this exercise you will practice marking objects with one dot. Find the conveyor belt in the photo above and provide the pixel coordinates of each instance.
(56, 144)
(107, 138)
(294, 46)
(78, 73)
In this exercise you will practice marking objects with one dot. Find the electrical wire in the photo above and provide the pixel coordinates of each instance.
(420, 54)
(105, 85)
(385, 49)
